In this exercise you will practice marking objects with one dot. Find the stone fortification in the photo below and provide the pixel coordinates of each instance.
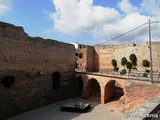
(33, 71)
(106, 53)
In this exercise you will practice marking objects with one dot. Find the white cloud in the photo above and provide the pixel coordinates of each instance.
(74, 16)
(127, 7)
(81, 16)
(4, 6)
(151, 6)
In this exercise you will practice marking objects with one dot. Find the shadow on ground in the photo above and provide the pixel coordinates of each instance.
(52, 112)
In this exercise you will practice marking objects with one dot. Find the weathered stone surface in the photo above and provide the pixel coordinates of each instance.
(135, 92)
(149, 110)
(106, 53)
(32, 61)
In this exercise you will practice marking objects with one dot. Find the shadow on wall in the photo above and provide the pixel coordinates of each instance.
(95, 66)
(109, 90)
(113, 91)
(88, 89)
(79, 86)
(93, 91)
(96, 61)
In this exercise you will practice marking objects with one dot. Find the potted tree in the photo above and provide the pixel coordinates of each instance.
(146, 64)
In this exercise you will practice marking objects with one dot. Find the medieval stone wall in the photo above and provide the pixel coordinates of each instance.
(36, 65)
(105, 54)
(90, 56)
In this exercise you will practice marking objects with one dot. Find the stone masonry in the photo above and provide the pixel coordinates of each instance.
(106, 53)
(101, 56)
(33, 71)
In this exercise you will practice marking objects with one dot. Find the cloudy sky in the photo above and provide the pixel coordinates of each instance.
(84, 21)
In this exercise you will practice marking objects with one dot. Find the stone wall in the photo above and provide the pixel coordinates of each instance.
(87, 59)
(106, 53)
(36, 65)
(90, 56)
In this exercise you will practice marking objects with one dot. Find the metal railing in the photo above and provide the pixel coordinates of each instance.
(132, 75)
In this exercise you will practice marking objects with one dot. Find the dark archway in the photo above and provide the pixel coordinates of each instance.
(93, 91)
(118, 92)
(79, 84)
(113, 91)
(55, 80)
(8, 81)
(109, 90)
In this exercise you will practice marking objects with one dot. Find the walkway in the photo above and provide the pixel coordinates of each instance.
(131, 76)
(52, 112)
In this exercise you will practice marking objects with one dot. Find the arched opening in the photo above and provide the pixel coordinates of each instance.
(8, 81)
(118, 92)
(113, 91)
(93, 91)
(109, 90)
(79, 82)
(55, 80)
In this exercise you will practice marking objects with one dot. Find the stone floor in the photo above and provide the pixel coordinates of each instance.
(52, 112)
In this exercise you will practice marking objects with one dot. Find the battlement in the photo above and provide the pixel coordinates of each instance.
(122, 46)
(11, 31)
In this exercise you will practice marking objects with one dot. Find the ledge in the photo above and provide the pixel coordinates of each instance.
(148, 111)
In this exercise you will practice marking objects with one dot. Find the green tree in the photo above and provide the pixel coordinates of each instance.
(129, 66)
(116, 68)
(123, 61)
(133, 59)
(114, 63)
(146, 63)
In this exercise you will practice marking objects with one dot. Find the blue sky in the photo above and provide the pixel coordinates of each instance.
(83, 21)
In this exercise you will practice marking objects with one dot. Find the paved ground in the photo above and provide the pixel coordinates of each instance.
(52, 112)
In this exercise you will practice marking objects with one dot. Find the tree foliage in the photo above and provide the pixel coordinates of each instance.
(146, 63)
(123, 61)
(133, 59)
(123, 72)
(129, 65)
(116, 68)
(114, 63)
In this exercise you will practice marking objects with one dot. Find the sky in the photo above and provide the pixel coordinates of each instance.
(84, 21)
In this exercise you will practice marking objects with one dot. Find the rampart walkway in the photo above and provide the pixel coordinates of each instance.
(131, 76)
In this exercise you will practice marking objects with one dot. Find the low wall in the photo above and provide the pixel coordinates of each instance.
(148, 111)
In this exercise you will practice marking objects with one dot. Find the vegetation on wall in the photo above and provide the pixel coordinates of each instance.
(133, 59)
(116, 68)
(80, 55)
(123, 72)
(123, 61)
(114, 63)
(146, 63)
(129, 66)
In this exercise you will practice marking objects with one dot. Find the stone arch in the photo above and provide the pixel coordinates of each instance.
(109, 90)
(113, 91)
(8, 81)
(118, 91)
(93, 90)
(56, 80)
(79, 85)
